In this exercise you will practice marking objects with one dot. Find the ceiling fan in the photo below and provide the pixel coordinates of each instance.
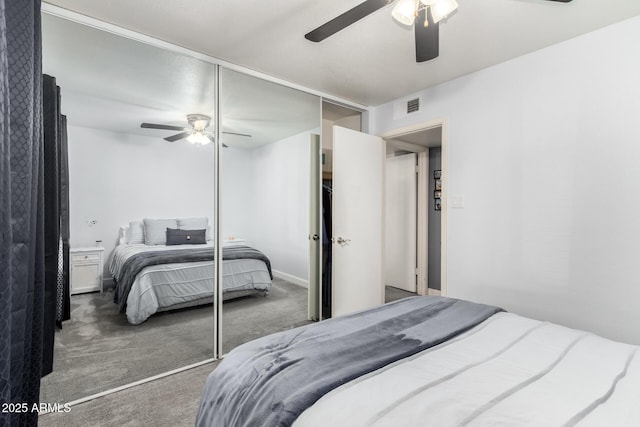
(196, 132)
(425, 15)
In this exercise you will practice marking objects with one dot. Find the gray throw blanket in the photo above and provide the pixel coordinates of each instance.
(272, 380)
(137, 262)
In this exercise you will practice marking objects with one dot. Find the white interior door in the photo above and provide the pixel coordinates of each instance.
(400, 222)
(357, 221)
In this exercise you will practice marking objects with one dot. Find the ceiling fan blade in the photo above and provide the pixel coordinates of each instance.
(238, 134)
(427, 38)
(163, 127)
(174, 138)
(343, 21)
(562, 1)
(212, 139)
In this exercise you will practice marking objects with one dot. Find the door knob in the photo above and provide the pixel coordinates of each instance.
(315, 237)
(342, 241)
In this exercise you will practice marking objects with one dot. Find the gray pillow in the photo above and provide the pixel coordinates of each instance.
(155, 230)
(194, 224)
(185, 237)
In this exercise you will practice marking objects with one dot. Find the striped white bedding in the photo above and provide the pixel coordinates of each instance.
(507, 371)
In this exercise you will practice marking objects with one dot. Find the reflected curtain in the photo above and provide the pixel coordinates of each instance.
(56, 221)
(22, 209)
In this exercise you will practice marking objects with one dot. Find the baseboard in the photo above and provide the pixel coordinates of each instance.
(434, 292)
(289, 278)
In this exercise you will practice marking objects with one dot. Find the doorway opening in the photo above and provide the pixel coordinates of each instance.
(415, 212)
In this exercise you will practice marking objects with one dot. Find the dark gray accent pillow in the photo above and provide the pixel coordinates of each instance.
(186, 237)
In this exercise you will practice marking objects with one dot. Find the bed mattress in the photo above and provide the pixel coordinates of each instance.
(507, 370)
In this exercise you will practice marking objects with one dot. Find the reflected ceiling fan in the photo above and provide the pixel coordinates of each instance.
(424, 15)
(196, 132)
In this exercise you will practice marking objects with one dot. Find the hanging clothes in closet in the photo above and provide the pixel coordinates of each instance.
(326, 249)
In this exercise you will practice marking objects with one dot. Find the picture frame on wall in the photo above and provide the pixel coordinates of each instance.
(437, 174)
(438, 204)
(437, 194)
(438, 184)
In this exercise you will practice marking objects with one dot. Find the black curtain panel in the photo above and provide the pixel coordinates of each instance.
(22, 210)
(63, 309)
(52, 235)
(56, 197)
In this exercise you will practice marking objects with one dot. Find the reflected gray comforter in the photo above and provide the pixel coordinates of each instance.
(137, 262)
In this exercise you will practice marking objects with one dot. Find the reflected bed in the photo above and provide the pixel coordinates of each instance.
(164, 285)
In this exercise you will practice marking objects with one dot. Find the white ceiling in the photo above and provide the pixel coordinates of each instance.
(371, 62)
(114, 83)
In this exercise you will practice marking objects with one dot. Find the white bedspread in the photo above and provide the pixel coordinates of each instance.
(508, 371)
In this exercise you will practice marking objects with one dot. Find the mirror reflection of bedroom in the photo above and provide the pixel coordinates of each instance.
(127, 186)
(265, 202)
(141, 158)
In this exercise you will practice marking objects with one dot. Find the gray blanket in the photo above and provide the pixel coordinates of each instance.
(272, 380)
(137, 262)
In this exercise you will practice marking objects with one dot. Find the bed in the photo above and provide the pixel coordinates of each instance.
(155, 278)
(426, 361)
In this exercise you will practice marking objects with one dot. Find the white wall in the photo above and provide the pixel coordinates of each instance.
(545, 150)
(236, 194)
(265, 200)
(115, 178)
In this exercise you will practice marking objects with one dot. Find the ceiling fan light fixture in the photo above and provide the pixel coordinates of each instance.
(198, 138)
(440, 9)
(428, 2)
(405, 12)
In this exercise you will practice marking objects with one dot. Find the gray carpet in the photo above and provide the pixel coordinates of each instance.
(174, 400)
(171, 401)
(98, 350)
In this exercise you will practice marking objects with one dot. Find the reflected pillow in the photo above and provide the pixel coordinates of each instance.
(186, 237)
(135, 234)
(155, 230)
(194, 224)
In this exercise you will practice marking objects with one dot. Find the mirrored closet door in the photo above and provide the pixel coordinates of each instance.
(267, 134)
(142, 203)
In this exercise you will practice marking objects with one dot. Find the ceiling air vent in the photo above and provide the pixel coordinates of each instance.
(413, 105)
(406, 106)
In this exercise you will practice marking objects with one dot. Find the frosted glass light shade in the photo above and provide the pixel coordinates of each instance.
(198, 138)
(441, 8)
(405, 12)
(428, 2)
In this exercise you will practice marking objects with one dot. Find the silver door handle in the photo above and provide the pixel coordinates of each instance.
(315, 237)
(342, 241)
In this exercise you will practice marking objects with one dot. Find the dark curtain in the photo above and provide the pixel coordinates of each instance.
(63, 308)
(22, 210)
(54, 296)
(56, 206)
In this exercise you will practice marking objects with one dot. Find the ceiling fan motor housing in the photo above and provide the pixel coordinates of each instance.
(198, 122)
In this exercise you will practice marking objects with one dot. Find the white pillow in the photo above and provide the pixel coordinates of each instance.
(135, 233)
(123, 235)
(155, 230)
(194, 224)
